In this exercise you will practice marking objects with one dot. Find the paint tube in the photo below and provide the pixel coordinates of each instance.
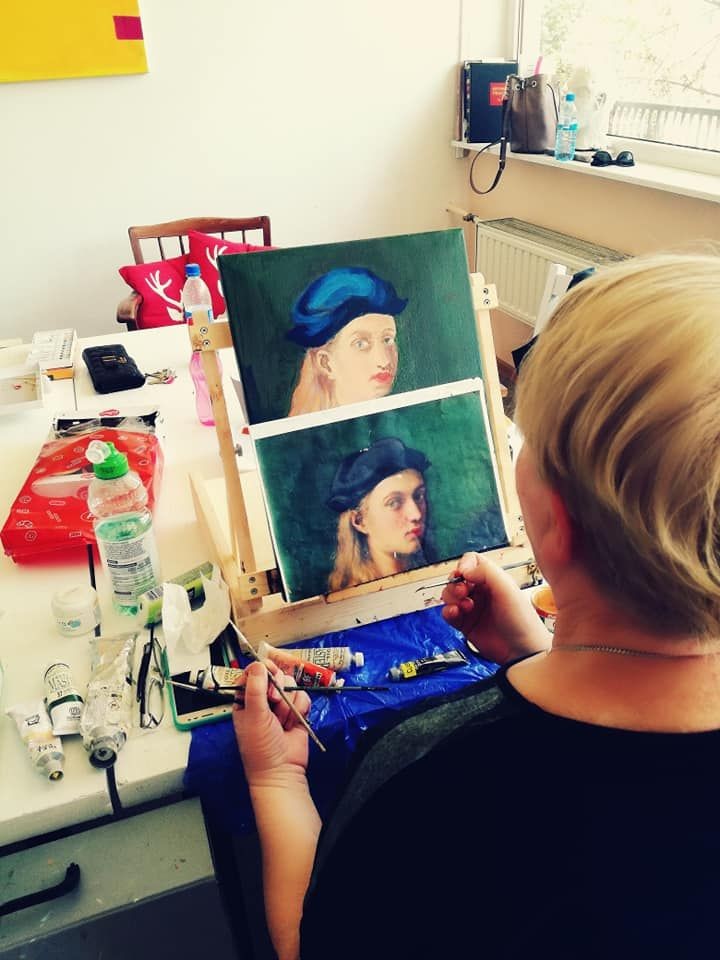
(303, 673)
(64, 703)
(150, 603)
(334, 658)
(427, 665)
(213, 677)
(35, 728)
(107, 717)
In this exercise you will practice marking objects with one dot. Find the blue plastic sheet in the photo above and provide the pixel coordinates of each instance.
(214, 770)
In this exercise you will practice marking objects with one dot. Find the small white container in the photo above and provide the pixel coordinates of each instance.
(76, 610)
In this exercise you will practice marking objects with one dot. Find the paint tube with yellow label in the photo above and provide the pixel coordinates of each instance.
(426, 665)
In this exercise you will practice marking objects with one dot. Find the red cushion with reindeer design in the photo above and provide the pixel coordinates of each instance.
(204, 250)
(160, 285)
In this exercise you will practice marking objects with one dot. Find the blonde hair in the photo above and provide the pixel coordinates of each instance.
(619, 402)
(353, 563)
(313, 389)
(352, 557)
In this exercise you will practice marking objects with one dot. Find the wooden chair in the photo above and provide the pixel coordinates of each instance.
(176, 231)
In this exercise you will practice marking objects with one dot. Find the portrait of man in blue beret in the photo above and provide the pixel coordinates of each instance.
(345, 322)
(316, 328)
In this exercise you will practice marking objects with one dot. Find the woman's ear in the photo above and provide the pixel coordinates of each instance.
(561, 536)
(356, 519)
(325, 364)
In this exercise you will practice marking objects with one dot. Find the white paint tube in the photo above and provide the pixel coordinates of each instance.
(107, 717)
(35, 728)
(64, 703)
(216, 676)
(334, 658)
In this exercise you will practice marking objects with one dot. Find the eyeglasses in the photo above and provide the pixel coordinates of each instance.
(601, 158)
(151, 684)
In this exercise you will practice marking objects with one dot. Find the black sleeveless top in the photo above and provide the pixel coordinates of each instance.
(482, 826)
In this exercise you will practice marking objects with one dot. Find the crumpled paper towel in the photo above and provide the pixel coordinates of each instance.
(189, 633)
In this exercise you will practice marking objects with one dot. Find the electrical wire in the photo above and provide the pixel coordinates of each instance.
(118, 809)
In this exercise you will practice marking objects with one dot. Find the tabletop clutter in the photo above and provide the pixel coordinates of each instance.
(101, 475)
(93, 489)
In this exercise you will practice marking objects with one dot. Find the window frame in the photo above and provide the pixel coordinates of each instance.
(688, 159)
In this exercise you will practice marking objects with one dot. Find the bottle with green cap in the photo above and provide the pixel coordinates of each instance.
(123, 526)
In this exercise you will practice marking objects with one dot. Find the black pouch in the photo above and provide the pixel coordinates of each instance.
(112, 369)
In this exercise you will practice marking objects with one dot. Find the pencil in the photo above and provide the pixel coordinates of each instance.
(248, 649)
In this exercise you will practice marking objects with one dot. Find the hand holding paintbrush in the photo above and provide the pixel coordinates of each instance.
(273, 743)
(247, 648)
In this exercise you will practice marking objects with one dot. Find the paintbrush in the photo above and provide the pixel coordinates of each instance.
(443, 583)
(224, 691)
(247, 648)
(460, 578)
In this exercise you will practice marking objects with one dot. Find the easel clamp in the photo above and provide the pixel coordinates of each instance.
(488, 297)
(262, 583)
(209, 336)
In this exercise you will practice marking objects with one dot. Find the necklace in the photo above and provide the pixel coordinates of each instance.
(626, 651)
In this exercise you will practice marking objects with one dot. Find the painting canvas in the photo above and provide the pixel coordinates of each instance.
(47, 40)
(323, 326)
(408, 482)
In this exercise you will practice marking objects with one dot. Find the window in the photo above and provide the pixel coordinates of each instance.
(654, 69)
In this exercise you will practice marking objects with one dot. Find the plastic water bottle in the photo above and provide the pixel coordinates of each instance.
(566, 131)
(196, 297)
(195, 294)
(123, 526)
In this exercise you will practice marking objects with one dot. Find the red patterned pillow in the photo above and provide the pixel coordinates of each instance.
(204, 250)
(160, 285)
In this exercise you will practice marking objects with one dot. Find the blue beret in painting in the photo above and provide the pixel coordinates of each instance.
(337, 297)
(360, 472)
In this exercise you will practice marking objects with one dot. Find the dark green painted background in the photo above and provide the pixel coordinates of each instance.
(297, 470)
(437, 342)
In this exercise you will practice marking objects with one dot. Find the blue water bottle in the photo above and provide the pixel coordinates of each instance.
(566, 131)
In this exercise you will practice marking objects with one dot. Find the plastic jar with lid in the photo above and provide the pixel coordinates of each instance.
(76, 610)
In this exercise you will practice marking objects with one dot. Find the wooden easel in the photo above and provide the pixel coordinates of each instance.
(239, 541)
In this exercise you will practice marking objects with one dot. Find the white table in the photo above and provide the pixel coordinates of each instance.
(151, 765)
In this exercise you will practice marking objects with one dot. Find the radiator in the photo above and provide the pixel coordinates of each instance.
(516, 257)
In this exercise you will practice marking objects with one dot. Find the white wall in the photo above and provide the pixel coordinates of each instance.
(331, 116)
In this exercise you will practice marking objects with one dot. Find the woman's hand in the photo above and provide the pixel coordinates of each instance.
(488, 608)
(272, 742)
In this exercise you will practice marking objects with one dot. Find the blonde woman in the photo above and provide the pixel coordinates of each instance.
(345, 320)
(379, 493)
(568, 806)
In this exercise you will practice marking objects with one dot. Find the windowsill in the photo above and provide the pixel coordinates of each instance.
(686, 183)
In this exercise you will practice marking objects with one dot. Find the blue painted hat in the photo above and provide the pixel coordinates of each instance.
(360, 472)
(331, 301)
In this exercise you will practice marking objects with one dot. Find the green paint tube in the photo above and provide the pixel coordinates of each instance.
(150, 603)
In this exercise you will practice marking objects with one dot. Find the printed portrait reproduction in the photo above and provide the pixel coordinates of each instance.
(354, 499)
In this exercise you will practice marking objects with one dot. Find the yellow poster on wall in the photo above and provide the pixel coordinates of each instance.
(50, 39)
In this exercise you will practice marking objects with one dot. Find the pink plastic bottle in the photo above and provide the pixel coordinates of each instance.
(196, 297)
(202, 390)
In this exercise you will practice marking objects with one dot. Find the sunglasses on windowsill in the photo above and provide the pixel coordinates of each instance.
(602, 158)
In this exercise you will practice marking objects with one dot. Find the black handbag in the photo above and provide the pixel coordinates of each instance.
(529, 121)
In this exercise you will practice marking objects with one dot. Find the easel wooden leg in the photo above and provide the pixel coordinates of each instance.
(208, 338)
(484, 299)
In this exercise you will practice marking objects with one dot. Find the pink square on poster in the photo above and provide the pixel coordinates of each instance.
(128, 28)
